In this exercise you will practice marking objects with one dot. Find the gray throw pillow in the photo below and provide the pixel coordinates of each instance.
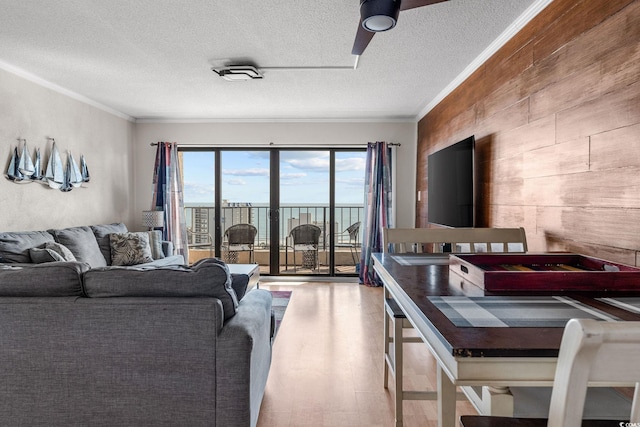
(101, 232)
(51, 252)
(82, 244)
(42, 255)
(61, 250)
(130, 248)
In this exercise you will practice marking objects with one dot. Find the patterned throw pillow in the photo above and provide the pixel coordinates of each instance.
(130, 248)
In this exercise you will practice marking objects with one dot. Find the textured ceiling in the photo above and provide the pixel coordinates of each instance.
(152, 58)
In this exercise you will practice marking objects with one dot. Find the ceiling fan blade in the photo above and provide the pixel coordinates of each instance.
(363, 37)
(412, 4)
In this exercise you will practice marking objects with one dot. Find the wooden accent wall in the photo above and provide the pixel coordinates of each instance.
(556, 115)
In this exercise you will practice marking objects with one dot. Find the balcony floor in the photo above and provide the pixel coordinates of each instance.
(346, 267)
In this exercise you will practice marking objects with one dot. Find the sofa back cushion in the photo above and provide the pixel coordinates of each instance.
(206, 278)
(82, 244)
(101, 233)
(14, 246)
(55, 279)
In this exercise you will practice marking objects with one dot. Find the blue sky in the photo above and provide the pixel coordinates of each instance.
(304, 177)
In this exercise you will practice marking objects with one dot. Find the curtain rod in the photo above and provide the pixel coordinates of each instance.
(272, 144)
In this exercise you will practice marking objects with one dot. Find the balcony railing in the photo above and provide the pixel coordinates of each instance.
(201, 220)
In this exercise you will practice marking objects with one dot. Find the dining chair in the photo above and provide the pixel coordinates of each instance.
(591, 351)
(435, 240)
(305, 238)
(239, 238)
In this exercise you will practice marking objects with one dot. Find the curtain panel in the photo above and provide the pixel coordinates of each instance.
(377, 207)
(168, 197)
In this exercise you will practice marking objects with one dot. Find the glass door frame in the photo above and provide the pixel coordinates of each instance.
(274, 201)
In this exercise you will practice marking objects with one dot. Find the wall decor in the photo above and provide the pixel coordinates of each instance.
(23, 169)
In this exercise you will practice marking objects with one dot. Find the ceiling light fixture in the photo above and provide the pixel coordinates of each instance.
(379, 15)
(235, 73)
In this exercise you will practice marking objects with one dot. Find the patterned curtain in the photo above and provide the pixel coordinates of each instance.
(167, 196)
(377, 207)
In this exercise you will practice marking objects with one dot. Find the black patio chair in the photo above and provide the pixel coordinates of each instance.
(305, 238)
(239, 238)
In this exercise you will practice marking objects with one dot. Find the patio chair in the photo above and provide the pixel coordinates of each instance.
(590, 351)
(404, 240)
(239, 238)
(305, 238)
(353, 232)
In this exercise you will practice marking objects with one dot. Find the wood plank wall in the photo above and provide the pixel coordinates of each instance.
(556, 115)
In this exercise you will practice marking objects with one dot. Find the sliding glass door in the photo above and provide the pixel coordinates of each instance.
(292, 211)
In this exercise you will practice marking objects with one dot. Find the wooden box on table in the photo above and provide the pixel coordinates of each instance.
(548, 272)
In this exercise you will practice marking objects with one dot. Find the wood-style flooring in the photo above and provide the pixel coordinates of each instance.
(328, 362)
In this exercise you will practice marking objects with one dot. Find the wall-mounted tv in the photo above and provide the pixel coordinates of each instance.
(451, 200)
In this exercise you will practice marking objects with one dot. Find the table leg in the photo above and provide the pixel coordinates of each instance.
(446, 400)
(497, 401)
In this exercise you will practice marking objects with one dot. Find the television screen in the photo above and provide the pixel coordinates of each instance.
(450, 185)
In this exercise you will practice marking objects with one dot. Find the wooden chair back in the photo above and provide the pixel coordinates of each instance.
(461, 240)
(593, 351)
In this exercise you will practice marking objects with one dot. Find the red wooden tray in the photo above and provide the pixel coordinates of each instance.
(544, 272)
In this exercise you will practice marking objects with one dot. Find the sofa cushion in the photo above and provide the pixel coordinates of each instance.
(82, 244)
(130, 248)
(50, 252)
(206, 278)
(101, 233)
(14, 246)
(59, 279)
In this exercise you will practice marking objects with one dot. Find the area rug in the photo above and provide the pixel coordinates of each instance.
(279, 306)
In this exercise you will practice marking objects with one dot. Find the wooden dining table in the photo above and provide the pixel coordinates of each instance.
(490, 351)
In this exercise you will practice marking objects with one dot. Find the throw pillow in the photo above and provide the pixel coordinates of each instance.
(130, 248)
(61, 250)
(155, 241)
(42, 255)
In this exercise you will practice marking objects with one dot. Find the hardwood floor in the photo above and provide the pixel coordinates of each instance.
(327, 362)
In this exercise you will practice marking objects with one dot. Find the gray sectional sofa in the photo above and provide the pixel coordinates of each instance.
(88, 244)
(145, 345)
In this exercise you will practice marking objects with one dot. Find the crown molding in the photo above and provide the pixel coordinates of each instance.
(513, 29)
(54, 87)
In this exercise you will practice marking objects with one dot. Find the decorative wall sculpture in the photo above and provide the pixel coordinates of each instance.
(64, 177)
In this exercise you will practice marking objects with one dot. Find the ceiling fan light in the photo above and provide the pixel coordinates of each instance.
(379, 15)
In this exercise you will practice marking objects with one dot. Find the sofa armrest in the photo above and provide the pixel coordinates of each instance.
(243, 360)
(167, 248)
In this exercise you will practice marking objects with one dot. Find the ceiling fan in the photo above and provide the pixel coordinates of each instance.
(381, 15)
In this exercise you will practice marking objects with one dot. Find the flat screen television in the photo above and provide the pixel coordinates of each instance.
(451, 199)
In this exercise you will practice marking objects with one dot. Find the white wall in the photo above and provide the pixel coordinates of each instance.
(261, 134)
(33, 112)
